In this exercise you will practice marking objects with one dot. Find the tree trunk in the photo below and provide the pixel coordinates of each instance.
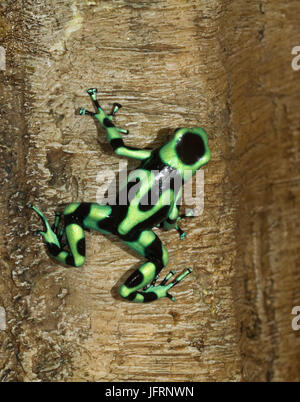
(219, 64)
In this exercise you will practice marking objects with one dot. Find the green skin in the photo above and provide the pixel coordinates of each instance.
(182, 156)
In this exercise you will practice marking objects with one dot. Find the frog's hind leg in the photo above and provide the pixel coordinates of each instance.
(53, 239)
(141, 286)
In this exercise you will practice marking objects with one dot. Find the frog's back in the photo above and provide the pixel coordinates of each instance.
(147, 196)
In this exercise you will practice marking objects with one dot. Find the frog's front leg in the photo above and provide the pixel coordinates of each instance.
(112, 132)
(189, 214)
(171, 222)
(141, 286)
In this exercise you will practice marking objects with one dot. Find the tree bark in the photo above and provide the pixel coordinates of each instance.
(219, 64)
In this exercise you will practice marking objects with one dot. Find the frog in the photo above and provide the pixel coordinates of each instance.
(160, 175)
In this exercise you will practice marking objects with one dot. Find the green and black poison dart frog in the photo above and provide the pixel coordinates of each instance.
(179, 158)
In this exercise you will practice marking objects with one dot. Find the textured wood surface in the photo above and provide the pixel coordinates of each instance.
(224, 65)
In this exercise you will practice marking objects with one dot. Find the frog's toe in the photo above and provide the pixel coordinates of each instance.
(92, 91)
(60, 234)
(38, 232)
(115, 108)
(190, 214)
(180, 277)
(162, 290)
(122, 130)
(171, 297)
(182, 234)
(83, 112)
(177, 279)
(167, 277)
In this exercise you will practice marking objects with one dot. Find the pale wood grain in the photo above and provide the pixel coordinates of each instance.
(223, 65)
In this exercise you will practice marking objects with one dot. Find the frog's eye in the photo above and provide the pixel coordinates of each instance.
(190, 148)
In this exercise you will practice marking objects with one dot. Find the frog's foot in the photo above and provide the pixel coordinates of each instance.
(93, 93)
(56, 222)
(169, 224)
(115, 108)
(182, 234)
(49, 234)
(189, 214)
(162, 290)
(106, 121)
(60, 237)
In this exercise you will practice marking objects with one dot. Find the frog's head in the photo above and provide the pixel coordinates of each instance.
(186, 151)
